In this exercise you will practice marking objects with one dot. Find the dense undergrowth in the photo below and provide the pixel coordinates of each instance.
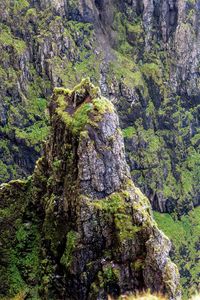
(160, 126)
(184, 234)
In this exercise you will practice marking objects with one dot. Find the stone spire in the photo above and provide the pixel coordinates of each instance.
(95, 231)
(112, 243)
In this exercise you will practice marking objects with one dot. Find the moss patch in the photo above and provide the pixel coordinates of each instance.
(116, 206)
(186, 249)
(71, 241)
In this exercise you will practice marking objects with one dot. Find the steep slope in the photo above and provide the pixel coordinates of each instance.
(79, 228)
(145, 57)
(185, 250)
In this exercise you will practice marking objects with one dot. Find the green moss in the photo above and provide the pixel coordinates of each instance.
(57, 164)
(27, 121)
(135, 28)
(156, 160)
(143, 207)
(53, 227)
(29, 256)
(65, 116)
(86, 86)
(126, 48)
(80, 118)
(112, 204)
(186, 251)
(3, 74)
(167, 276)
(20, 5)
(189, 171)
(61, 99)
(88, 66)
(120, 28)
(125, 227)
(153, 71)
(110, 274)
(4, 174)
(169, 187)
(104, 280)
(86, 63)
(138, 264)
(125, 70)
(150, 110)
(63, 69)
(32, 12)
(16, 282)
(102, 105)
(71, 241)
(6, 36)
(62, 91)
(33, 134)
(153, 144)
(116, 205)
(7, 39)
(129, 132)
(20, 239)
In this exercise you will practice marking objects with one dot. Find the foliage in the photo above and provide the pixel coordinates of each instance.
(184, 234)
(116, 206)
(19, 5)
(7, 39)
(71, 240)
(129, 132)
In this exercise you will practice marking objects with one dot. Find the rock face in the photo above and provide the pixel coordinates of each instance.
(79, 228)
(145, 57)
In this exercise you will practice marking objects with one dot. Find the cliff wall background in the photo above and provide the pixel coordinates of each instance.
(145, 57)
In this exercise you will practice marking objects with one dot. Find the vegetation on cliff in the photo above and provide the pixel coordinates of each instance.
(145, 57)
(78, 227)
(136, 55)
(184, 234)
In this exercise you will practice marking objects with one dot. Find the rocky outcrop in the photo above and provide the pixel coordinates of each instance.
(81, 229)
(143, 54)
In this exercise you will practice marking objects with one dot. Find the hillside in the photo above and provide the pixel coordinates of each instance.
(144, 56)
(78, 228)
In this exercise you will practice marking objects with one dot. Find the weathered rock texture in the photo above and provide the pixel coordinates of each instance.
(79, 228)
(145, 57)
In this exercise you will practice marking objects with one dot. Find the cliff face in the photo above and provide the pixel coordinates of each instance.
(79, 228)
(143, 54)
